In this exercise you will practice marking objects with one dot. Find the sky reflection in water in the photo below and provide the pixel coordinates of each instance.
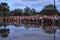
(29, 31)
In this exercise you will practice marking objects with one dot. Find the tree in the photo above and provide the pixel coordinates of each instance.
(27, 11)
(18, 12)
(33, 11)
(12, 13)
(1, 13)
(49, 9)
(4, 7)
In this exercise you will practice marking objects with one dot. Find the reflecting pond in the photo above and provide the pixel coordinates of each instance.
(29, 31)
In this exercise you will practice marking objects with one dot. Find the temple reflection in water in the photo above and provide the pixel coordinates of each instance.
(48, 27)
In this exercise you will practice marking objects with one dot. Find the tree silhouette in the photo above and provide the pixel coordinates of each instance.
(49, 9)
(4, 7)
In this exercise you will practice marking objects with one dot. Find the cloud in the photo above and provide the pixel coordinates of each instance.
(58, 0)
(37, 4)
(19, 3)
(31, 2)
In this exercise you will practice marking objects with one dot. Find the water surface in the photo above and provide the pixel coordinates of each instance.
(29, 32)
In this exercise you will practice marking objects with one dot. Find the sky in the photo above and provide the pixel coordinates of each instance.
(36, 4)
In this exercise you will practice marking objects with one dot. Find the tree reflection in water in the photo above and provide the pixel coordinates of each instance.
(27, 26)
(47, 28)
(4, 32)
